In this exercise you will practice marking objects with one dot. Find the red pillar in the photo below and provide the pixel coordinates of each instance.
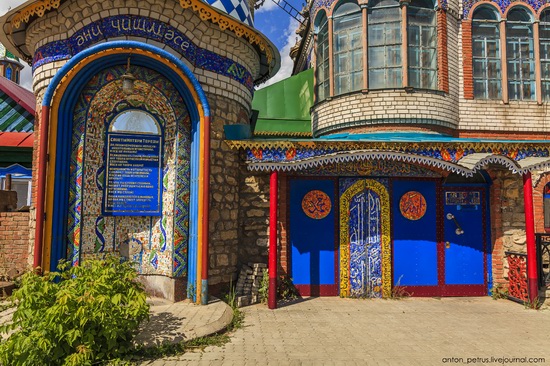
(530, 232)
(273, 190)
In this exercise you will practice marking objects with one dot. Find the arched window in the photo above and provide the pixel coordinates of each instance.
(8, 72)
(17, 77)
(544, 32)
(348, 48)
(486, 53)
(422, 30)
(520, 54)
(384, 30)
(135, 121)
(321, 57)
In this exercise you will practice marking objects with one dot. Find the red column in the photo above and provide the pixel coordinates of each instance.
(273, 189)
(530, 232)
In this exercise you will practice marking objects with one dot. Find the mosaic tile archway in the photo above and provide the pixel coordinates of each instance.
(365, 252)
(157, 245)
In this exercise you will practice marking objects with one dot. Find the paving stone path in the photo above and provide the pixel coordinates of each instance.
(413, 331)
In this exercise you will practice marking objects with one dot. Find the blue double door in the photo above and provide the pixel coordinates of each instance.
(438, 235)
(439, 240)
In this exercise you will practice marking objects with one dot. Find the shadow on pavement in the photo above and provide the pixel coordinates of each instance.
(161, 328)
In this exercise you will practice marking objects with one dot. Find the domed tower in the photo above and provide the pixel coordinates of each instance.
(10, 66)
(154, 79)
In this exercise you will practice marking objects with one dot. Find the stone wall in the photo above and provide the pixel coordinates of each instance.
(224, 193)
(14, 249)
(507, 220)
(254, 217)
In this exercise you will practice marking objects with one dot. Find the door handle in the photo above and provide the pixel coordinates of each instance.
(447, 244)
(458, 230)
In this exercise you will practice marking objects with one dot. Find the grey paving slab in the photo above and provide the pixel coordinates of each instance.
(413, 331)
(181, 321)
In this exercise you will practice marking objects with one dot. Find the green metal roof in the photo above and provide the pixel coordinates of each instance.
(284, 107)
(13, 116)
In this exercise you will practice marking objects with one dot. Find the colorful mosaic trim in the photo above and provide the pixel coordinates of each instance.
(203, 9)
(346, 200)
(76, 180)
(372, 168)
(449, 154)
(105, 230)
(502, 4)
(181, 211)
(295, 156)
(137, 26)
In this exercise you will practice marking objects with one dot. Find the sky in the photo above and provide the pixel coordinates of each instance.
(270, 20)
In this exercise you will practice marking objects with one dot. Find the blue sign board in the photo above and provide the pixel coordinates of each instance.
(133, 175)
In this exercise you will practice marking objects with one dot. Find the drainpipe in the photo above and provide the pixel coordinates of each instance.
(273, 190)
(206, 209)
(532, 282)
(42, 161)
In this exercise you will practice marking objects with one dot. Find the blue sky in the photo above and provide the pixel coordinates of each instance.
(280, 28)
(271, 20)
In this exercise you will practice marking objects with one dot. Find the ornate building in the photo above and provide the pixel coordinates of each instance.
(410, 154)
(426, 167)
(133, 98)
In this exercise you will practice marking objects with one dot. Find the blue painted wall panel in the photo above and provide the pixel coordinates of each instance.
(415, 241)
(312, 240)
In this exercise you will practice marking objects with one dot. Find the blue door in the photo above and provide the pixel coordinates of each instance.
(415, 244)
(464, 242)
(312, 219)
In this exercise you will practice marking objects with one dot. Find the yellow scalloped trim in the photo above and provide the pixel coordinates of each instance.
(496, 147)
(225, 22)
(39, 8)
(204, 10)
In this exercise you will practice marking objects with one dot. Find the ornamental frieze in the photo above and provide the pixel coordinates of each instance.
(137, 26)
(502, 4)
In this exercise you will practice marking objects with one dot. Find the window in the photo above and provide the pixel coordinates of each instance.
(135, 121)
(321, 57)
(422, 30)
(544, 32)
(486, 53)
(520, 54)
(8, 72)
(384, 34)
(348, 48)
(22, 186)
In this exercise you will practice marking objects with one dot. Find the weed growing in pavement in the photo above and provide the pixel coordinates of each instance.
(285, 289)
(263, 291)
(499, 292)
(238, 316)
(534, 304)
(398, 292)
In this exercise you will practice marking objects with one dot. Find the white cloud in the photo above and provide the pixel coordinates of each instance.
(268, 5)
(286, 62)
(6, 4)
(26, 74)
